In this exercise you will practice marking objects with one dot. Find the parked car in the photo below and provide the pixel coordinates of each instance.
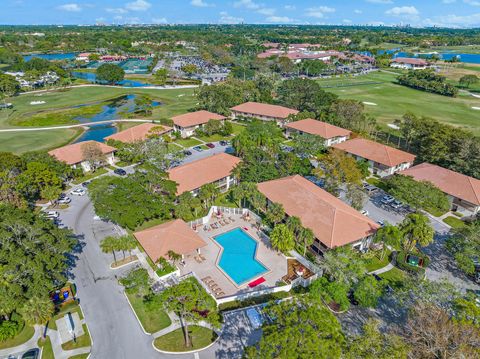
(86, 183)
(381, 223)
(78, 192)
(120, 171)
(396, 204)
(198, 149)
(223, 143)
(187, 153)
(210, 145)
(52, 214)
(64, 200)
(364, 212)
(387, 199)
(370, 189)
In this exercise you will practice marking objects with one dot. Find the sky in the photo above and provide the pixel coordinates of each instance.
(446, 13)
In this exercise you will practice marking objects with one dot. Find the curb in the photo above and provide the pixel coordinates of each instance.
(136, 316)
(190, 351)
(123, 265)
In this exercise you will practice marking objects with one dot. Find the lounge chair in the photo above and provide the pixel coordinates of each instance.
(213, 286)
(219, 294)
(230, 218)
(202, 257)
(197, 259)
(206, 278)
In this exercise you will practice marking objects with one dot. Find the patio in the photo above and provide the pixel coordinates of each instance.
(205, 265)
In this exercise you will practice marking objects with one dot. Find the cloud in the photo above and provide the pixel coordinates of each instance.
(70, 7)
(402, 11)
(458, 21)
(449, 1)
(138, 5)
(248, 4)
(116, 10)
(356, 11)
(472, 2)
(225, 18)
(380, 1)
(290, 7)
(319, 11)
(279, 19)
(201, 3)
(347, 21)
(161, 20)
(266, 11)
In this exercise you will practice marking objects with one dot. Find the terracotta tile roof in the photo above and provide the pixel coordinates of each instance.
(333, 222)
(174, 236)
(375, 151)
(264, 109)
(410, 61)
(73, 154)
(138, 133)
(453, 183)
(195, 174)
(196, 118)
(318, 128)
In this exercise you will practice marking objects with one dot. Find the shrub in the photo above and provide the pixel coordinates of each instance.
(331, 292)
(165, 267)
(401, 262)
(236, 304)
(10, 328)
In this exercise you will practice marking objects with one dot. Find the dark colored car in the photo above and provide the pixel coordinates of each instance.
(210, 145)
(223, 143)
(120, 172)
(85, 184)
(187, 153)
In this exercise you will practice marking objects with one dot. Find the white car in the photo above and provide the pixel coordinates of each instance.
(364, 212)
(52, 214)
(78, 192)
(64, 200)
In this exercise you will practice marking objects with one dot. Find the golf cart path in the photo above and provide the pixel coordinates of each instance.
(70, 126)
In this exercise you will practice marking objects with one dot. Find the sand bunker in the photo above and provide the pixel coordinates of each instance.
(369, 103)
(475, 108)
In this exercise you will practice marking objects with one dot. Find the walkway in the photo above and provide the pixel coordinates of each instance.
(388, 267)
(71, 126)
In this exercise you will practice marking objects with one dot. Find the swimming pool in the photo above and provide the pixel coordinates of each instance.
(238, 257)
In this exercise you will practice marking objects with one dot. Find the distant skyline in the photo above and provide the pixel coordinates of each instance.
(445, 13)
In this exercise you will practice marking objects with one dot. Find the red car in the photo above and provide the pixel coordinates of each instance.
(210, 145)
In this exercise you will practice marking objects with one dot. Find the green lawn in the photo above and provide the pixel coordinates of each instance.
(213, 138)
(454, 222)
(395, 277)
(152, 321)
(377, 183)
(375, 262)
(25, 335)
(392, 100)
(47, 350)
(90, 175)
(435, 212)
(175, 341)
(188, 142)
(81, 342)
(237, 128)
(21, 142)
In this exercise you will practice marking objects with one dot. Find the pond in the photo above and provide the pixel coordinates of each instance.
(113, 110)
(92, 77)
(470, 58)
(50, 57)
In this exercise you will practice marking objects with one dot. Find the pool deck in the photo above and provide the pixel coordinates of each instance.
(275, 262)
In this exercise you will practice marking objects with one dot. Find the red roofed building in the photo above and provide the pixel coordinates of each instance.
(262, 111)
(74, 154)
(409, 63)
(333, 222)
(462, 191)
(139, 133)
(174, 236)
(215, 169)
(187, 123)
(383, 160)
(330, 133)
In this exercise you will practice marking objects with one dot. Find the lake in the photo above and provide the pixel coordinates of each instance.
(469, 58)
(91, 77)
(50, 57)
(115, 109)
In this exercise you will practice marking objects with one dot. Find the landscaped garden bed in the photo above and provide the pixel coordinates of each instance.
(454, 222)
(47, 350)
(200, 337)
(152, 320)
(402, 262)
(24, 335)
(80, 342)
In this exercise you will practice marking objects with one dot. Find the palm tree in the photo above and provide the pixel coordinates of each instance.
(294, 224)
(173, 256)
(389, 235)
(275, 213)
(416, 228)
(307, 237)
(109, 244)
(282, 238)
(37, 310)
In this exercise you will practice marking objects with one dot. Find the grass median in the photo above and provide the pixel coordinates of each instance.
(175, 341)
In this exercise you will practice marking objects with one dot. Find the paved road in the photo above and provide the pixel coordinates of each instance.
(69, 126)
(113, 326)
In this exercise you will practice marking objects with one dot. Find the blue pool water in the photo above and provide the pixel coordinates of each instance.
(238, 256)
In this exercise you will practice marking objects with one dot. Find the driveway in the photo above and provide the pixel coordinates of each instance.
(195, 156)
